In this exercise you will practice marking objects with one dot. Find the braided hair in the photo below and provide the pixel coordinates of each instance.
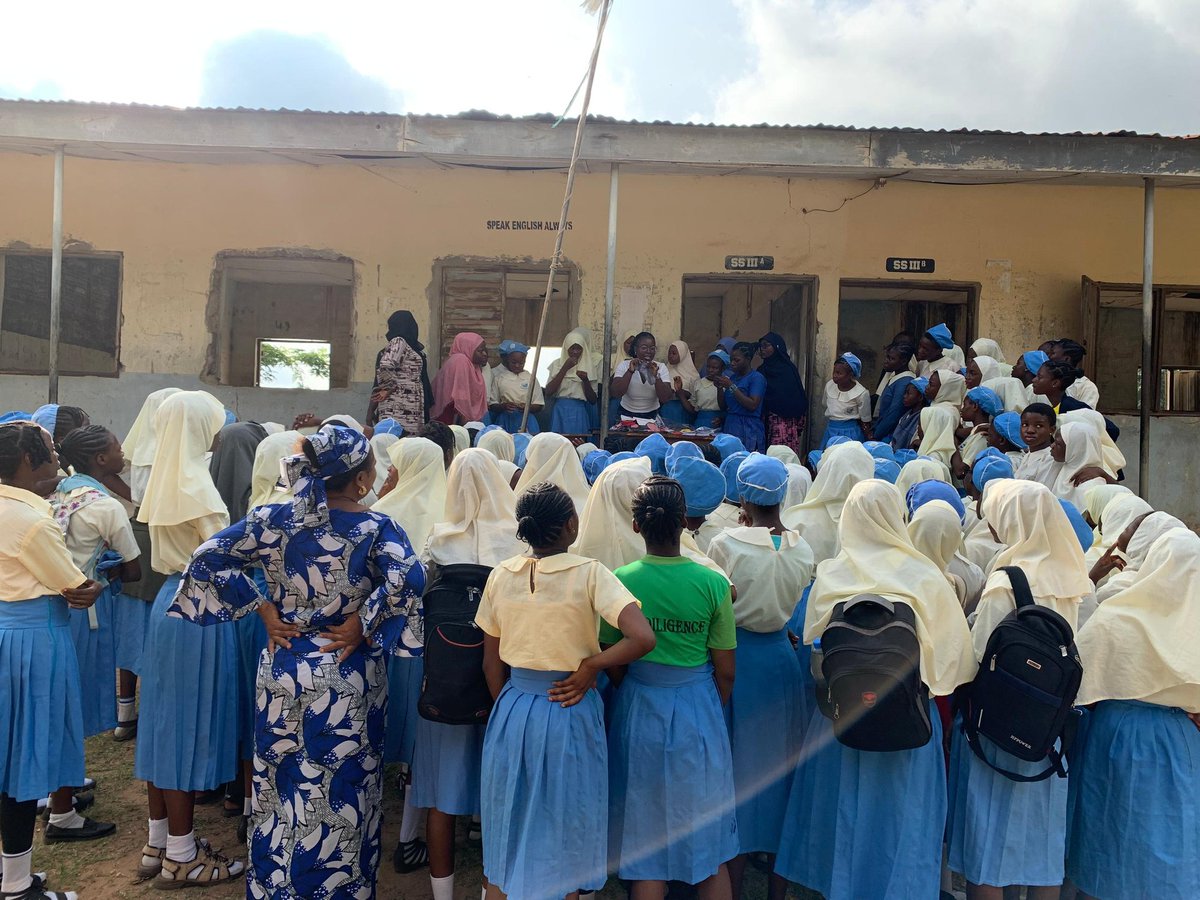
(1062, 371)
(79, 448)
(543, 512)
(19, 440)
(659, 509)
(68, 419)
(441, 434)
(1073, 350)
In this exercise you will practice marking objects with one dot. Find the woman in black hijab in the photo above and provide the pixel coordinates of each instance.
(401, 390)
(785, 404)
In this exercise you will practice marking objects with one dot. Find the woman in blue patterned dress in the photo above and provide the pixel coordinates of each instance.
(347, 587)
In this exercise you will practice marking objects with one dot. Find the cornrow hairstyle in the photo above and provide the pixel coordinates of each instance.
(711, 454)
(68, 419)
(1042, 409)
(745, 348)
(1062, 371)
(440, 434)
(1075, 351)
(904, 350)
(543, 512)
(79, 448)
(659, 509)
(19, 440)
(337, 482)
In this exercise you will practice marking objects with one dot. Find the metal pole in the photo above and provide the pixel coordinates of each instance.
(1149, 374)
(614, 178)
(56, 241)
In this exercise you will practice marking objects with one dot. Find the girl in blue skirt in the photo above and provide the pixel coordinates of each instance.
(671, 800)
(41, 743)
(545, 759)
(702, 400)
(1136, 827)
(574, 380)
(741, 399)
(770, 566)
(847, 403)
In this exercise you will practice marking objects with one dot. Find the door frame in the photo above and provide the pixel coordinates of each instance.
(972, 289)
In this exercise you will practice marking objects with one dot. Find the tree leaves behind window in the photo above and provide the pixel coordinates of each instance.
(272, 357)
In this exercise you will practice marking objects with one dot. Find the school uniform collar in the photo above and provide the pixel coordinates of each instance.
(27, 497)
(761, 537)
(549, 565)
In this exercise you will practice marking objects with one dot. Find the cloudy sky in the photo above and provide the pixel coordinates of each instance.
(1031, 65)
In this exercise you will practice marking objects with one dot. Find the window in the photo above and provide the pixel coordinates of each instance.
(1113, 327)
(284, 322)
(90, 316)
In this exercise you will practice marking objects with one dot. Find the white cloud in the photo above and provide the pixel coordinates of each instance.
(1022, 65)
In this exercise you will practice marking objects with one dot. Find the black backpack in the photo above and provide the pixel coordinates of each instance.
(871, 663)
(1023, 699)
(454, 690)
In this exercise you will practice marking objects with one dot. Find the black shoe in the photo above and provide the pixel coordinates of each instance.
(89, 784)
(79, 804)
(410, 856)
(90, 830)
(36, 891)
(125, 731)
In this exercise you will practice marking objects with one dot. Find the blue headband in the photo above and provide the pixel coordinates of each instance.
(16, 416)
(762, 480)
(941, 336)
(621, 457)
(230, 416)
(880, 450)
(814, 459)
(703, 485)
(722, 356)
(924, 491)
(853, 362)
(729, 470)
(904, 457)
(46, 416)
(919, 384)
(595, 463)
(391, 426)
(520, 445)
(1008, 426)
(987, 400)
(680, 451)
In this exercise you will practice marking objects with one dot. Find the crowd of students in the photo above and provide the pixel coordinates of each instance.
(647, 622)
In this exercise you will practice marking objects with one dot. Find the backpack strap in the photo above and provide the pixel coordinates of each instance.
(1056, 757)
(1020, 586)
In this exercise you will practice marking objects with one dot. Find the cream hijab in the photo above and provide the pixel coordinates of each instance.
(500, 444)
(989, 368)
(606, 525)
(589, 360)
(938, 423)
(551, 457)
(479, 524)
(686, 370)
(951, 390)
(380, 444)
(1116, 516)
(180, 488)
(1114, 459)
(1083, 450)
(264, 477)
(1010, 391)
(816, 519)
(784, 454)
(1141, 643)
(877, 557)
(799, 483)
(462, 439)
(419, 497)
(988, 347)
(918, 470)
(141, 442)
(1148, 531)
(936, 531)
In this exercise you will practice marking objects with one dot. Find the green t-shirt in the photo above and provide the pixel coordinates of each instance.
(687, 605)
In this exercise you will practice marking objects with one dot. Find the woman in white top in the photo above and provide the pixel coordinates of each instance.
(641, 384)
(847, 403)
(1125, 559)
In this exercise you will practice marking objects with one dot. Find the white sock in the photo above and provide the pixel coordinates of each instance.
(411, 821)
(246, 807)
(126, 710)
(158, 833)
(17, 876)
(483, 892)
(70, 819)
(443, 888)
(182, 847)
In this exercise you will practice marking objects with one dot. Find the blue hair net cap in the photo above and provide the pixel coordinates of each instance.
(679, 451)
(520, 445)
(727, 445)
(478, 435)
(835, 440)
(920, 384)
(990, 465)
(1034, 360)
(853, 362)
(887, 469)
(814, 458)
(880, 450)
(722, 356)
(941, 335)
(47, 416)
(703, 485)
(595, 463)
(16, 416)
(655, 448)
(507, 347)
(762, 480)
(622, 456)
(230, 416)
(1078, 525)
(391, 426)
(924, 491)
(987, 400)
(729, 471)
(904, 457)
(1008, 426)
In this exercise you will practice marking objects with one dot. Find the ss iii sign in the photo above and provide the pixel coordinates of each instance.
(908, 264)
(750, 263)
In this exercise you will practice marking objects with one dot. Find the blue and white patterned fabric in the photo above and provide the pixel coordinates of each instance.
(319, 731)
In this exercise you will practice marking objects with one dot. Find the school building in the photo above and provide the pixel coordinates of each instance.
(200, 241)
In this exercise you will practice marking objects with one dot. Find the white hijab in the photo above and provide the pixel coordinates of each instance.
(1010, 391)
(938, 423)
(1114, 459)
(877, 557)
(584, 450)
(141, 442)
(1115, 516)
(1148, 531)
(462, 439)
(816, 519)
(264, 477)
(551, 457)
(380, 444)
(180, 488)
(1083, 451)
(952, 388)
(784, 454)
(989, 368)
(1141, 643)
(419, 498)
(936, 531)
(1038, 466)
(500, 444)
(606, 525)
(686, 370)
(917, 470)
(988, 347)
(799, 483)
(479, 524)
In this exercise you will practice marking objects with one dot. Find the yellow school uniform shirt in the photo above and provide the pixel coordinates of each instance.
(34, 560)
(172, 546)
(546, 612)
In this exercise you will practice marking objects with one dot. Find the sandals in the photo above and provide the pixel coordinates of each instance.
(37, 890)
(410, 856)
(208, 868)
(146, 872)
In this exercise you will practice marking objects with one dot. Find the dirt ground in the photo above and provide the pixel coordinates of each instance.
(104, 869)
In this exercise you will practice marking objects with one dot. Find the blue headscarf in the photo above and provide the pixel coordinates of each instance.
(727, 445)
(46, 416)
(1008, 426)
(880, 450)
(338, 450)
(905, 456)
(16, 416)
(389, 426)
(987, 400)
(520, 445)
(1034, 360)
(703, 485)
(479, 434)
(941, 336)
(595, 463)
(990, 465)
(655, 449)
(507, 347)
(853, 362)
(762, 480)
(1086, 535)
(887, 470)
(729, 470)
(924, 491)
(679, 451)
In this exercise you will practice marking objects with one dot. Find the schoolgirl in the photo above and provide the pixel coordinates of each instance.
(847, 403)
(729, 513)
(1011, 391)
(1133, 546)
(704, 491)
(551, 457)
(1037, 431)
(981, 369)
(545, 823)
(509, 389)
(816, 519)
(978, 408)
(1076, 448)
(683, 374)
(1083, 388)
(702, 401)
(1026, 369)
(770, 566)
(1005, 436)
(932, 355)
(890, 406)
(946, 387)
(1052, 381)
(980, 546)
(41, 747)
(904, 436)
(573, 385)
(741, 399)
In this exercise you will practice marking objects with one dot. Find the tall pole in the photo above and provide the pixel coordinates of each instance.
(56, 240)
(614, 178)
(1149, 374)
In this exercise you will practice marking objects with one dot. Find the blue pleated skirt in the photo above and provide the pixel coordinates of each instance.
(706, 417)
(808, 696)
(404, 689)
(765, 734)
(673, 412)
(445, 767)
(671, 800)
(511, 422)
(749, 429)
(251, 642)
(96, 652)
(865, 826)
(545, 801)
(189, 720)
(41, 741)
(848, 428)
(571, 416)
(1002, 832)
(130, 622)
(1137, 826)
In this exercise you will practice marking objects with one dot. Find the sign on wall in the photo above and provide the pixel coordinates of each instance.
(750, 263)
(908, 264)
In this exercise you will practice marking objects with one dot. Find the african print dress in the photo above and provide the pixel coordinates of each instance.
(319, 727)
(399, 373)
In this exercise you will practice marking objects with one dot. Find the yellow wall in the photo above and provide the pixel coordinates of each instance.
(1026, 245)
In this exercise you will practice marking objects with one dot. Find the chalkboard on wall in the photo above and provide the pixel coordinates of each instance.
(91, 291)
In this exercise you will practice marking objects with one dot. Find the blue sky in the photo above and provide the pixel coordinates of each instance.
(1033, 65)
